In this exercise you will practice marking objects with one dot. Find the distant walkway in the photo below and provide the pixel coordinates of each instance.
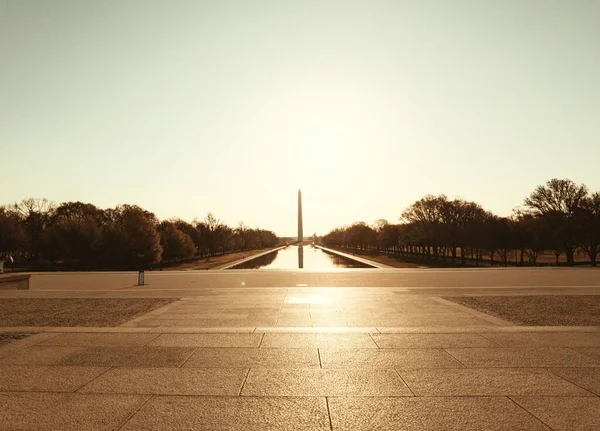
(372, 263)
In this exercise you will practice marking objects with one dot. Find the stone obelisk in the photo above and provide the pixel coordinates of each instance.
(300, 233)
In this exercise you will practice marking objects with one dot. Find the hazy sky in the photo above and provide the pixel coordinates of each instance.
(185, 107)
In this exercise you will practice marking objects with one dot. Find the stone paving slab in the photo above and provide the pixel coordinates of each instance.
(119, 329)
(207, 340)
(564, 414)
(426, 414)
(522, 357)
(227, 414)
(124, 357)
(296, 323)
(15, 346)
(299, 313)
(489, 381)
(412, 312)
(378, 323)
(199, 316)
(251, 310)
(68, 412)
(187, 323)
(169, 381)
(39, 355)
(318, 382)
(101, 356)
(254, 358)
(50, 379)
(327, 322)
(548, 339)
(387, 358)
(438, 329)
(83, 339)
(318, 340)
(319, 329)
(326, 312)
(590, 351)
(483, 329)
(587, 378)
(424, 341)
(202, 330)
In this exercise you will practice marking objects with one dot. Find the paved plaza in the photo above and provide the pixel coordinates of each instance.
(291, 350)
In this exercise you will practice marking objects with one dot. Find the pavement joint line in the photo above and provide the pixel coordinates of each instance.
(482, 335)
(135, 411)
(87, 383)
(261, 340)
(188, 358)
(572, 349)
(579, 353)
(373, 339)
(573, 383)
(157, 335)
(456, 359)
(244, 382)
(510, 397)
(404, 381)
(319, 354)
(329, 414)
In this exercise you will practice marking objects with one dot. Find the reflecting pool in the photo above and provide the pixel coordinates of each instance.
(300, 257)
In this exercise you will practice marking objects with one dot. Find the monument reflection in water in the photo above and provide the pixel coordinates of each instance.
(288, 258)
(299, 257)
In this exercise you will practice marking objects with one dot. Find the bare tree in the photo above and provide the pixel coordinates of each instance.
(13, 237)
(590, 225)
(426, 216)
(36, 215)
(560, 202)
(30, 206)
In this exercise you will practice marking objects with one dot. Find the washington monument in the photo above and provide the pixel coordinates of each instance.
(300, 234)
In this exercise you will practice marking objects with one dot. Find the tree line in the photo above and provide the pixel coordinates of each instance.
(559, 217)
(76, 235)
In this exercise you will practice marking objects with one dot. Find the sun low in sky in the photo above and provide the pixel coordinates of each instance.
(185, 107)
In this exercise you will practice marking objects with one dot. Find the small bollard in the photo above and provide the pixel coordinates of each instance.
(140, 278)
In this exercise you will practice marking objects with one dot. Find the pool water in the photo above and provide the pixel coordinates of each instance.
(300, 257)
